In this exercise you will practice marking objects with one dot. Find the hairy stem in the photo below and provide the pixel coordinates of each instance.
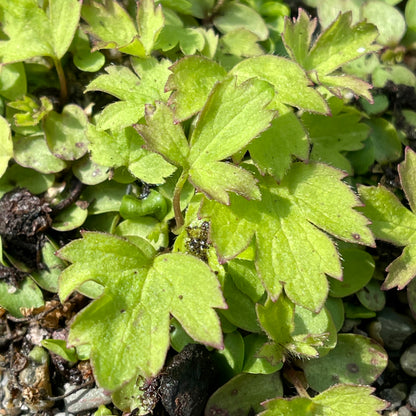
(177, 200)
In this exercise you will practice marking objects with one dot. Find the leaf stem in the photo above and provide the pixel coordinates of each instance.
(62, 80)
(297, 378)
(177, 200)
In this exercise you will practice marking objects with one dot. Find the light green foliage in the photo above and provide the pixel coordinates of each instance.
(66, 133)
(230, 119)
(6, 145)
(282, 72)
(115, 28)
(355, 360)
(58, 346)
(140, 293)
(124, 148)
(238, 124)
(27, 295)
(189, 74)
(339, 44)
(235, 16)
(34, 32)
(133, 92)
(410, 14)
(290, 249)
(33, 152)
(33, 111)
(378, 12)
(13, 81)
(394, 223)
(340, 400)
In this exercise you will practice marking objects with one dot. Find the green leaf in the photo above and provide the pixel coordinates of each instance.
(33, 152)
(355, 360)
(71, 218)
(34, 32)
(110, 23)
(372, 297)
(358, 268)
(234, 16)
(272, 152)
(47, 278)
(58, 346)
(188, 75)
(150, 22)
(244, 393)
(84, 59)
(289, 80)
(63, 19)
(410, 14)
(13, 81)
(392, 222)
(230, 359)
(331, 136)
(18, 176)
(6, 145)
(124, 148)
(231, 118)
(28, 295)
(140, 293)
(291, 251)
(133, 92)
(66, 133)
(33, 110)
(163, 135)
(240, 42)
(388, 19)
(189, 39)
(340, 400)
(337, 45)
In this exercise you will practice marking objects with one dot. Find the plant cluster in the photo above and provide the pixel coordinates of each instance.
(208, 172)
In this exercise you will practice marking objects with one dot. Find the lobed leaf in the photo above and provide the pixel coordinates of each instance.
(291, 84)
(339, 400)
(291, 250)
(231, 118)
(124, 148)
(140, 293)
(394, 223)
(337, 45)
(33, 32)
(133, 92)
(190, 74)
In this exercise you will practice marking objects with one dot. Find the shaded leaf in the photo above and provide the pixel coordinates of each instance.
(394, 223)
(355, 360)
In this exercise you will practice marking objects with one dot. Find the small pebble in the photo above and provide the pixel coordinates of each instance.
(395, 395)
(395, 328)
(404, 411)
(85, 399)
(412, 396)
(408, 361)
